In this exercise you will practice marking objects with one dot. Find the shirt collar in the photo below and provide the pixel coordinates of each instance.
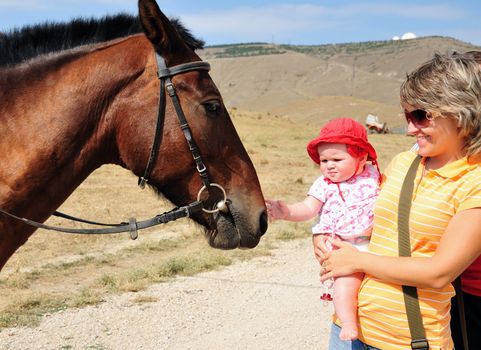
(454, 169)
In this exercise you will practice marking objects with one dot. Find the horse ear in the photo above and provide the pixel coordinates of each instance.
(158, 28)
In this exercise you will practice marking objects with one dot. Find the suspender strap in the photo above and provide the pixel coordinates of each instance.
(413, 311)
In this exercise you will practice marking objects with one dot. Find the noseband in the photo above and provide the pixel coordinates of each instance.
(165, 73)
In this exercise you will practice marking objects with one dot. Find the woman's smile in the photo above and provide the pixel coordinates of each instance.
(422, 140)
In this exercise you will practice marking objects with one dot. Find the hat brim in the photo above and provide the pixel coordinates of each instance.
(348, 140)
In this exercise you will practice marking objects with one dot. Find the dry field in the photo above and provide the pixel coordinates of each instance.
(54, 271)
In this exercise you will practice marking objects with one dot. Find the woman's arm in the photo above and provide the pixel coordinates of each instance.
(458, 248)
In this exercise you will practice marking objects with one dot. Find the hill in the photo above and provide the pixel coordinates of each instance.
(313, 83)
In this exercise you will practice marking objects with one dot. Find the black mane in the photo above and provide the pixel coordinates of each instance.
(22, 44)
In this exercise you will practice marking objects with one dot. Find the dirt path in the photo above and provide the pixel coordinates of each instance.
(265, 303)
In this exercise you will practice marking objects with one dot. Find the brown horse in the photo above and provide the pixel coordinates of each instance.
(65, 113)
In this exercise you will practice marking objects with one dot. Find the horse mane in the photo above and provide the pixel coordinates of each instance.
(22, 44)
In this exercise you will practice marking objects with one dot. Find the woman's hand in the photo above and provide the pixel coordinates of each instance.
(277, 210)
(341, 261)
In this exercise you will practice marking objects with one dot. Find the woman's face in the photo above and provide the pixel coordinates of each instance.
(438, 138)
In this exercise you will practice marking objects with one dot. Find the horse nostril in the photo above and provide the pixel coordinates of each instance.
(263, 222)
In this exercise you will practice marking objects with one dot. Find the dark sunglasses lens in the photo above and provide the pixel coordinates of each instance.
(418, 117)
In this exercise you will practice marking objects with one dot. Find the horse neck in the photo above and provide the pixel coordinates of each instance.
(56, 127)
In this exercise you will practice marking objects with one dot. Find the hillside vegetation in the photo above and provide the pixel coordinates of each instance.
(320, 82)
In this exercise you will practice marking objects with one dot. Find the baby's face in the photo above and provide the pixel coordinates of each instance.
(336, 163)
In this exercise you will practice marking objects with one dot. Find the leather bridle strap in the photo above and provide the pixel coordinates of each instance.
(132, 226)
(164, 73)
(73, 218)
(157, 137)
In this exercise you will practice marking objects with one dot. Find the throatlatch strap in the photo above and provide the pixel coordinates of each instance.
(157, 137)
(413, 311)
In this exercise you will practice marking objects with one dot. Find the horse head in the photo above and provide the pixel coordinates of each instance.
(174, 173)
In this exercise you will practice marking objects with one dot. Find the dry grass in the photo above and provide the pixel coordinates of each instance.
(53, 271)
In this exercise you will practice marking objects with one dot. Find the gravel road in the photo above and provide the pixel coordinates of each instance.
(265, 303)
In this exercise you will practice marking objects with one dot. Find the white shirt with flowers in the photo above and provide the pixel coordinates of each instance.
(348, 206)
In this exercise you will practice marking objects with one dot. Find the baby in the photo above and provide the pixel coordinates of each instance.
(343, 198)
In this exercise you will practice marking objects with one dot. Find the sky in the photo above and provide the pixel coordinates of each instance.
(280, 22)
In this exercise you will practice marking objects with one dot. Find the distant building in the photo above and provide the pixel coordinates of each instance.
(405, 36)
(408, 35)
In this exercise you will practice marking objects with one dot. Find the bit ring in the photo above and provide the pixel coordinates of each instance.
(221, 205)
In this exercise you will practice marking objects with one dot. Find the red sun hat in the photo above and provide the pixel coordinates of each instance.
(346, 131)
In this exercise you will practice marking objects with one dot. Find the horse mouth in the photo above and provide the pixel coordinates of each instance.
(230, 233)
(222, 241)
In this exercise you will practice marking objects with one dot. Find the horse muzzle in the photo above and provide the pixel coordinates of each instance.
(236, 228)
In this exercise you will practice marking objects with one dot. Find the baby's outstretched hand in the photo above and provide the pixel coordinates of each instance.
(277, 210)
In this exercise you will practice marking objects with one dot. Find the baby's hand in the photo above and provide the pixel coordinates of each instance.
(320, 247)
(277, 210)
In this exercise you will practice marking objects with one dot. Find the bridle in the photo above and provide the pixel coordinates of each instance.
(164, 74)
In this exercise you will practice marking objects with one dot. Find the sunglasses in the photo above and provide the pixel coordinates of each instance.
(420, 118)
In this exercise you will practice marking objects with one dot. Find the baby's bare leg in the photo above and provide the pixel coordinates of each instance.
(345, 304)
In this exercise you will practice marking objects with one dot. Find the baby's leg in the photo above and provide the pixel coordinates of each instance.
(345, 304)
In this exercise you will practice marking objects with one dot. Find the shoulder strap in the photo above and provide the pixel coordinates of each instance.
(413, 311)
(416, 327)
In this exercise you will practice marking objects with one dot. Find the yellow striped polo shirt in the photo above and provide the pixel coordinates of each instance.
(437, 196)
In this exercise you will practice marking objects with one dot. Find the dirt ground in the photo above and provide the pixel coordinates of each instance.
(266, 303)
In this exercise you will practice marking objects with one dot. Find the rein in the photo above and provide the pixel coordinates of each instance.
(132, 226)
(164, 73)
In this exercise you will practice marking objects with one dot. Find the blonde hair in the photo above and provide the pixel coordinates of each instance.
(450, 85)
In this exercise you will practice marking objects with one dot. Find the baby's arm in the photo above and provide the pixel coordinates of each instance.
(300, 211)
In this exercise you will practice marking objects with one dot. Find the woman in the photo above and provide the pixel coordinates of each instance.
(442, 105)
(471, 282)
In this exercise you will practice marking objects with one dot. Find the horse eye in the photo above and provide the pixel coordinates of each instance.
(213, 106)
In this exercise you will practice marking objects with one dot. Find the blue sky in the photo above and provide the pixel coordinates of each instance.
(281, 22)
